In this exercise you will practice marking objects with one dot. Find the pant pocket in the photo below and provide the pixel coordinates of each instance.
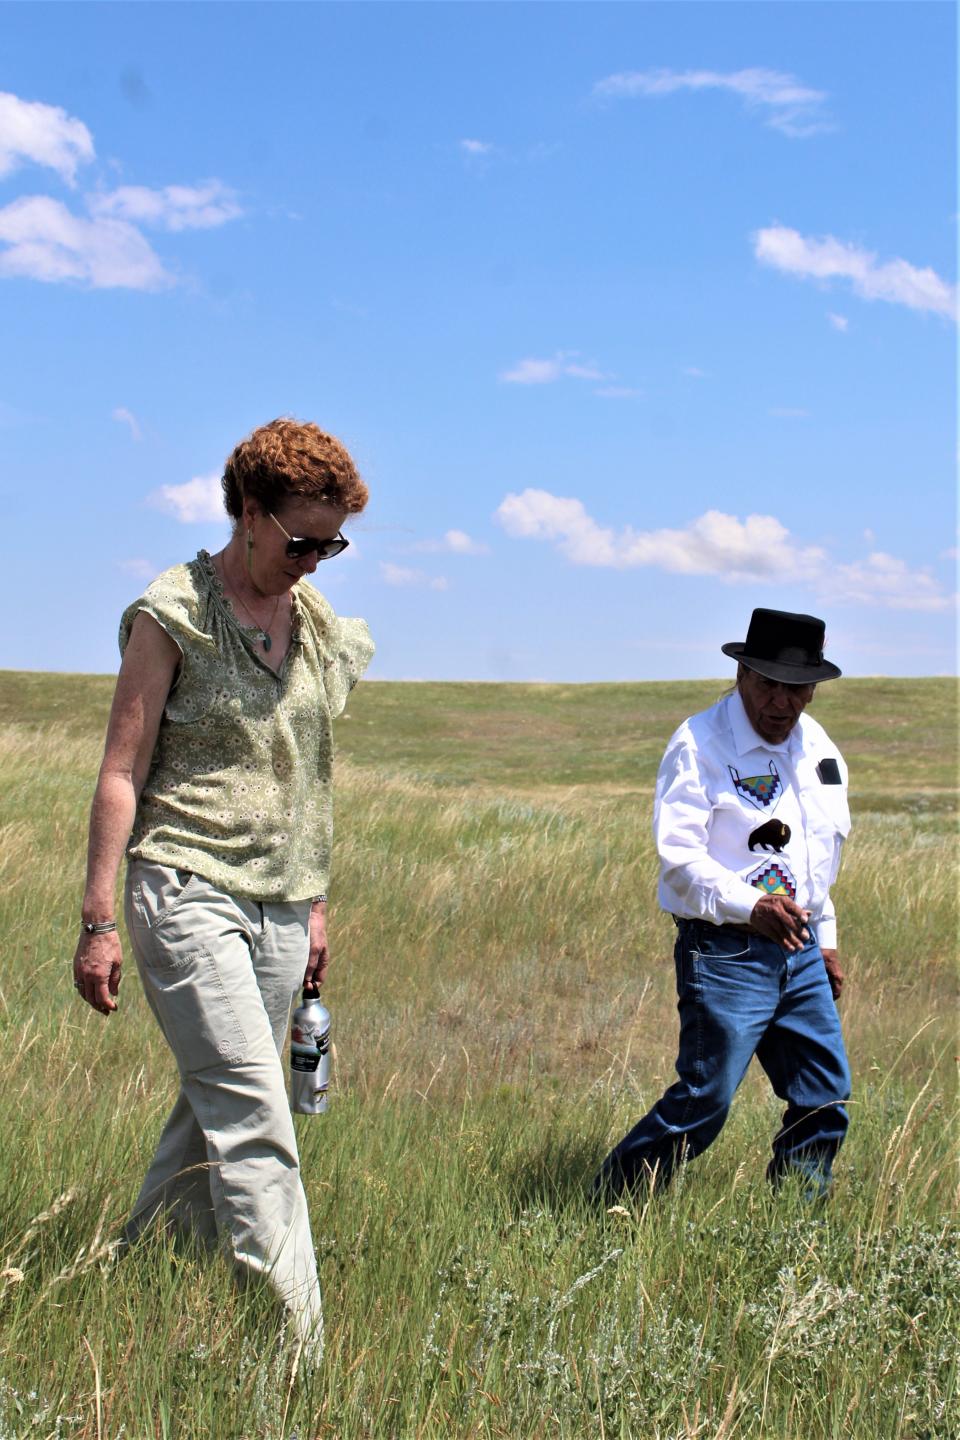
(156, 891)
(193, 1005)
(714, 942)
(193, 955)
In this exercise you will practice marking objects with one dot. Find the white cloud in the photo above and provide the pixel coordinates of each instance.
(46, 242)
(790, 106)
(41, 239)
(127, 418)
(199, 499)
(758, 548)
(138, 567)
(42, 134)
(839, 322)
(584, 372)
(174, 207)
(885, 581)
(532, 372)
(401, 576)
(715, 544)
(826, 258)
(544, 372)
(460, 543)
(454, 542)
(538, 515)
(478, 155)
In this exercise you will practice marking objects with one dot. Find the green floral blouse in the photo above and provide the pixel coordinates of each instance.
(239, 789)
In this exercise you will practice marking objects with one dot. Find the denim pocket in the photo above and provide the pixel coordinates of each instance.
(715, 942)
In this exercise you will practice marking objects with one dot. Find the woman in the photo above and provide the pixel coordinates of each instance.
(218, 760)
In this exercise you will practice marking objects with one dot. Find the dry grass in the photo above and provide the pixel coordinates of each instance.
(503, 1005)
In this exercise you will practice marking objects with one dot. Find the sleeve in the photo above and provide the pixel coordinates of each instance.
(827, 926)
(349, 648)
(176, 607)
(828, 840)
(692, 881)
(344, 647)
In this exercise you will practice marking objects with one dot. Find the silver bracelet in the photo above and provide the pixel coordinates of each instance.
(98, 927)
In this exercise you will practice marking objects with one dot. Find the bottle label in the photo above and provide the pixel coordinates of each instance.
(303, 1059)
(304, 1037)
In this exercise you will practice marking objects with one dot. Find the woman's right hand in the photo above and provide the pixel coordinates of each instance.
(146, 674)
(96, 970)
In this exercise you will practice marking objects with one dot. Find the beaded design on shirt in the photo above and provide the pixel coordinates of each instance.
(761, 791)
(774, 878)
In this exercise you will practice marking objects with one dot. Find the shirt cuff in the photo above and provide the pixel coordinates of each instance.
(736, 907)
(826, 929)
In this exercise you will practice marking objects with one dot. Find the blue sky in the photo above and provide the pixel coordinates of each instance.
(634, 316)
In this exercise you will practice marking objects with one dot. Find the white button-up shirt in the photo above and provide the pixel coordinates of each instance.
(736, 817)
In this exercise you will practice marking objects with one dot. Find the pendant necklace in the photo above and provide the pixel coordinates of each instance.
(265, 639)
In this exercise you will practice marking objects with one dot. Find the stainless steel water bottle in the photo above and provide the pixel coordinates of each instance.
(309, 1055)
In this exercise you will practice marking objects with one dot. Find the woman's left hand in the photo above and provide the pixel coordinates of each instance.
(319, 957)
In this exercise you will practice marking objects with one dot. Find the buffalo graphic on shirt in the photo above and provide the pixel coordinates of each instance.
(771, 835)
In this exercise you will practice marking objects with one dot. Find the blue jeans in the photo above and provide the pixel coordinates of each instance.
(741, 995)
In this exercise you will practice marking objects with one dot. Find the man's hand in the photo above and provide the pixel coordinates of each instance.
(834, 973)
(319, 957)
(780, 919)
(96, 970)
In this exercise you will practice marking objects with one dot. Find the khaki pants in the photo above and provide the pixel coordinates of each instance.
(220, 975)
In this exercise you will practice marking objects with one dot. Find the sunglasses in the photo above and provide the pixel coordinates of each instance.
(300, 545)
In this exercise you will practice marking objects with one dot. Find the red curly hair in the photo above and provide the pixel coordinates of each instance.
(289, 458)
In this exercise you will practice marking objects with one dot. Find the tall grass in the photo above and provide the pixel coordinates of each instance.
(503, 1003)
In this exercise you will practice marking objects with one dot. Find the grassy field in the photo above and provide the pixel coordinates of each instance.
(503, 1003)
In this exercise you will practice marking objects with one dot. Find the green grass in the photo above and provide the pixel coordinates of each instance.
(899, 737)
(503, 1005)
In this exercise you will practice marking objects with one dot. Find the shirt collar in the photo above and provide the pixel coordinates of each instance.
(746, 738)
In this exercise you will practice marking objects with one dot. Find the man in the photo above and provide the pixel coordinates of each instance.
(750, 813)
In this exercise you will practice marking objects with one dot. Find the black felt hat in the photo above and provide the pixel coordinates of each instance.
(784, 647)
